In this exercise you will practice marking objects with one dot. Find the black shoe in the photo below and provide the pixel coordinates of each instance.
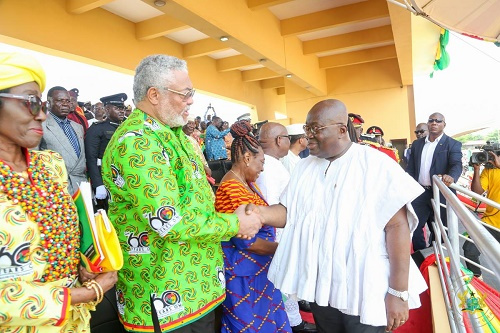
(304, 327)
(304, 306)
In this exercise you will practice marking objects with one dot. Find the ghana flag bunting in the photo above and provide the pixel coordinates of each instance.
(99, 246)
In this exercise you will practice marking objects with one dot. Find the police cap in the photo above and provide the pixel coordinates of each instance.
(356, 120)
(116, 99)
(375, 130)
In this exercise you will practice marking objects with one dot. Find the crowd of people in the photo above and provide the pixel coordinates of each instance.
(279, 228)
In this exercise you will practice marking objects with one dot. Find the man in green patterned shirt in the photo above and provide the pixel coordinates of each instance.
(162, 209)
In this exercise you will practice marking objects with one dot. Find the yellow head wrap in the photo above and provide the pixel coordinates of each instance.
(17, 68)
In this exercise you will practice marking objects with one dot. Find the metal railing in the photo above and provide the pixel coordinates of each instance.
(453, 282)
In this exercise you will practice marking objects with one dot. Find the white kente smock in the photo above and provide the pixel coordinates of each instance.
(333, 249)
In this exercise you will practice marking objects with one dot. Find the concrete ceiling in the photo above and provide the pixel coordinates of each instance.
(270, 39)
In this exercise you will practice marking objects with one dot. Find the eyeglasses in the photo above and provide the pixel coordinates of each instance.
(283, 136)
(433, 120)
(315, 129)
(33, 103)
(420, 132)
(186, 95)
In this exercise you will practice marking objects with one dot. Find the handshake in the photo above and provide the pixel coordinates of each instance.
(252, 217)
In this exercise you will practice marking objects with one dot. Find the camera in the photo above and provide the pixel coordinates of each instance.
(483, 157)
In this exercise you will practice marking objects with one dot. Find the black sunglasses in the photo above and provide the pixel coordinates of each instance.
(33, 103)
(420, 132)
(433, 120)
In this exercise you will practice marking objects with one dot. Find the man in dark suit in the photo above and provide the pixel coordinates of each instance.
(435, 154)
(64, 136)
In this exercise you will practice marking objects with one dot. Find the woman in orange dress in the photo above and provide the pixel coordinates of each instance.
(252, 303)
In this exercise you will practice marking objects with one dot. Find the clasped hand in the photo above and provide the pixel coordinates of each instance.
(250, 221)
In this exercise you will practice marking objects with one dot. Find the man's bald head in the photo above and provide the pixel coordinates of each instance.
(437, 115)
(327, 129)
(269, 131)
(330, 110)
(274, 139)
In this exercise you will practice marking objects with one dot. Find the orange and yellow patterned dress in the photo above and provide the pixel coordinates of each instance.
(252, 303)
(35, 292)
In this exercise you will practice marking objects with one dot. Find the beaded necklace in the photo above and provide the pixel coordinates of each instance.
(46, 203)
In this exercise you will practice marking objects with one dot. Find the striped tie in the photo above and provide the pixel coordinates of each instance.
(71, 135)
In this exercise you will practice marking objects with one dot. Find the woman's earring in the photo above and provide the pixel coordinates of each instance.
(248, 165)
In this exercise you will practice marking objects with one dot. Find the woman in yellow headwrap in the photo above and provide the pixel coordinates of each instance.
(40, 289)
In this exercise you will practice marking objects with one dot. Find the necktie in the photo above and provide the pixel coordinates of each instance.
(71, 135)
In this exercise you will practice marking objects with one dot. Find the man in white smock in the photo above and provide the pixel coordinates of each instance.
(346, 243)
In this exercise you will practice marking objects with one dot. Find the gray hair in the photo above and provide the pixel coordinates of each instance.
(155, 71)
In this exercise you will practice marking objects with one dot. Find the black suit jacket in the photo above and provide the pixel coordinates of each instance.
(447, 158)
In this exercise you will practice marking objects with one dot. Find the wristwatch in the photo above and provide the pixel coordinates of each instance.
(403, 295)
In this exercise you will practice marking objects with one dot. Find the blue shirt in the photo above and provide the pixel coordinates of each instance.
(215, 146)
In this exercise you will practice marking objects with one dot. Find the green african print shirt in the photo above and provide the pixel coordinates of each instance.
(161, 206)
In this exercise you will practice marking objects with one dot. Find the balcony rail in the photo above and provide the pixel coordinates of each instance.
(453, 282)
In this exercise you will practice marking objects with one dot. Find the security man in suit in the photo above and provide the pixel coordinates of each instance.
(97, 139)
(435, 154)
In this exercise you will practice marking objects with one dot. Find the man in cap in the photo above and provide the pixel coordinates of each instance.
(64, 136)
(245, 116)
(357, 122)
(97, 140)
(377, 133)
(75, 112)
(298, 142)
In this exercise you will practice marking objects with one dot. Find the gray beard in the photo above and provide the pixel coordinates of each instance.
(176, 121)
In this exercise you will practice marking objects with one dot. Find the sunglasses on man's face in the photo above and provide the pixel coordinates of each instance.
(420, 132)
(434, 120)
(33, 103)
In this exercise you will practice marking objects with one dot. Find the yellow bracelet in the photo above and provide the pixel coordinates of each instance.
(93, 284)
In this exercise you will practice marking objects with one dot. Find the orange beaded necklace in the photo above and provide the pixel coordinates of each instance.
(46, 203)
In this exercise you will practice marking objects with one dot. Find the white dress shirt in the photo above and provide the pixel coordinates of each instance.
(424, 177)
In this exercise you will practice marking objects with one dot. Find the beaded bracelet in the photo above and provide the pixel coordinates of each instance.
(93, 284)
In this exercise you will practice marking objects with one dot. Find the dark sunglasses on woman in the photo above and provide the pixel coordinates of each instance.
(33, 103)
